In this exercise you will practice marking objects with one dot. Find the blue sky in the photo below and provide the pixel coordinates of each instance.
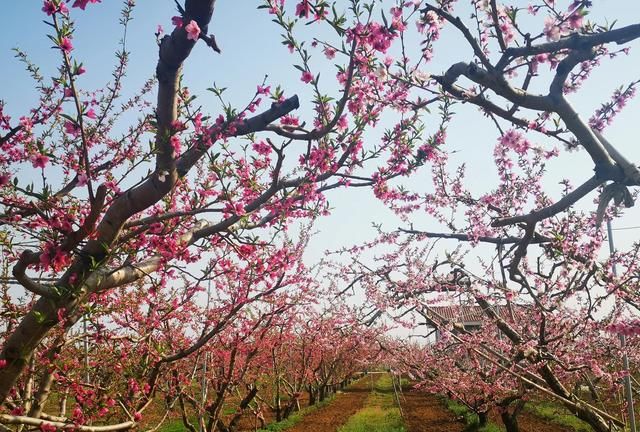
(251, 48)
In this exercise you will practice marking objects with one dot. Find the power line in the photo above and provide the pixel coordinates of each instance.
(625, 228)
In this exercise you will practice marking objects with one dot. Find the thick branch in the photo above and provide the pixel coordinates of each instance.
(576, 42)
(546, 212)
(499, 85)
(174, 50)
(250, 125)
(27, 258)
(29, 421)
(466, 237)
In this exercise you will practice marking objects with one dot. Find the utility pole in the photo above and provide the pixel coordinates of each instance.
(204, 389)
(203, 396)
(87, 376)
(625, 359)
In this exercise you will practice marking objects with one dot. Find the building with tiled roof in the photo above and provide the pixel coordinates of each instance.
(469, 317)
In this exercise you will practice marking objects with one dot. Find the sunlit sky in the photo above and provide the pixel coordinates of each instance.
(252, 49)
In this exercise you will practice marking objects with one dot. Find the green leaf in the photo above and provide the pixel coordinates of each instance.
(39, 316)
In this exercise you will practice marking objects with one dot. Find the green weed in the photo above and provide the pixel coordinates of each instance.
(380, 413)
(470, 418)
(558, 415)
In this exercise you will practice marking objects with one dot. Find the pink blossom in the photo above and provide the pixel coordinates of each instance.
(66, 45)
(137, 416)
(234, 208)
(133, 386)
(177, 21)
(343, 123)
(71, 128)
(176, 144)
(49, 8)
(303, 9)
(515, 141)
(264, 90)
(262, 148)
(551, 30)
(83, 3)
(47, 427)
(178, 126)
(321, 14)
(61, 314)
(26, 123)
(3, 363)
(39, 160)
(307, 77)
(575, 20)
(77, 414)
(91, 114)
(193, 31)
(289, 120)
(276, 6)
(82, 179)
(329, 52)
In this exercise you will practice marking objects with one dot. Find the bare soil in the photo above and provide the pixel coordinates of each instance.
(423, 412)
(528, 422)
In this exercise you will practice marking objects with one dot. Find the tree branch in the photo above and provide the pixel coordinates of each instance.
(483, 239)
(29, 421)
(546, 212)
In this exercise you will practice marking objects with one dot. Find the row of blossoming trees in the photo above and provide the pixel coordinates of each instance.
(536, 265)
(154, 264)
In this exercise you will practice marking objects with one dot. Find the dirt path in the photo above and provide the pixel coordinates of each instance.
(529, 422)
(423, 412)
(334, 415)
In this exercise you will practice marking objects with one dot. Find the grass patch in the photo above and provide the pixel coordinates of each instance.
(374, 419)
(558, 415)
(470, 418)
(173, 426)
(384, 384)
(292, 420)
(380, 413)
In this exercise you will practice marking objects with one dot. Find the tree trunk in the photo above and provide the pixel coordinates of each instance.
(23, 342)
(483, 418)
(510, 421)
(312, 395)
(581, 411)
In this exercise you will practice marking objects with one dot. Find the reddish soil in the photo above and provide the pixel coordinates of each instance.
(334, 415)
(528, 422)
(423, 412)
